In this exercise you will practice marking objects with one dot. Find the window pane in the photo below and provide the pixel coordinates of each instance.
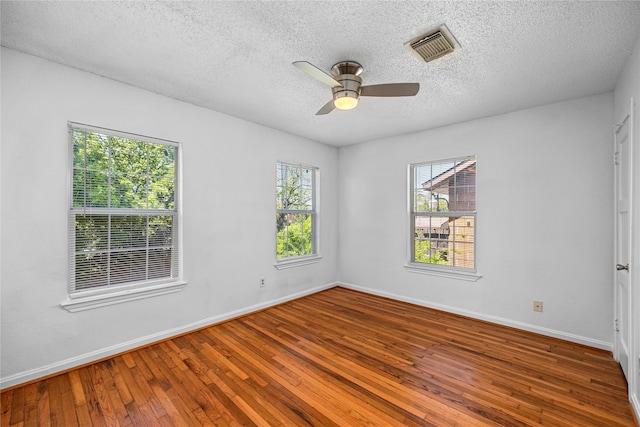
(161, 160)
(78, 149)
(300, 238)
(464, 188)
(464, 229)
(128, 266)
(286, 187)
(91, 151)
(306, 189)
(160, 263)
(431, 250)
(291, 188)
(440, 170)
(444, 240)
(91, 270)
(305, 199)
(92, 232)
(281, 245)
(429, 194)
(281, 169)
(161, 194)
(128, 190)
(421, 200)
(90, 188)
(77, 196)
(430, 201)
(433, 226)
(128, 232)
(463, 255)
(294, 236)
(128, 155)
(160, 231)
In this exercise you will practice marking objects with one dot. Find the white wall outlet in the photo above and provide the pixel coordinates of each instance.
(262, 284)
(537, 306)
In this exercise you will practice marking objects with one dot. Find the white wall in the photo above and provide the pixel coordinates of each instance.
(229, 211)
(544, 218)
(544, 222)
(628, 88)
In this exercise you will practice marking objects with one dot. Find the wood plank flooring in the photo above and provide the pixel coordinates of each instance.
(337, 358)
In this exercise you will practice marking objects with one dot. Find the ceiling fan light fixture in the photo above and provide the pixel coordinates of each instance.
(345, 100)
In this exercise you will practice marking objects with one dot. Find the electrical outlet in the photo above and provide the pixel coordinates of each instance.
(537, 306)
(262, 284)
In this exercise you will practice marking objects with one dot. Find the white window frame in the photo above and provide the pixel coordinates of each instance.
(456, 272)
(104, 295)
(314, 256)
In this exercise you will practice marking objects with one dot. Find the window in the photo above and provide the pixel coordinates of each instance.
(443, 215)
(123, 217)
(296, 212)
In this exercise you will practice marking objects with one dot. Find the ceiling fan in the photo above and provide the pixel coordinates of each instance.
(346, 84)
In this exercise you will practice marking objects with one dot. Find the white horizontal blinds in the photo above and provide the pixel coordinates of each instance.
(443, 212)
(124, 209)
(295, 210)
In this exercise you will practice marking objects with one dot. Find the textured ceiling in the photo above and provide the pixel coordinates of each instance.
(235, 57)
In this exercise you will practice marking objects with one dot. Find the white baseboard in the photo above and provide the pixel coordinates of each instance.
(63, 365)
(635, 403)
(488, 318)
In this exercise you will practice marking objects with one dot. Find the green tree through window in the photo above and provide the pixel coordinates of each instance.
(295, 211)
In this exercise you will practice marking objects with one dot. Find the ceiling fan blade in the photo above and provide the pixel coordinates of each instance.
(390, 89)
(326, 109)
(316, 73)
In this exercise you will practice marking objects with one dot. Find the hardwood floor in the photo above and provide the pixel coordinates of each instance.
(337, 358)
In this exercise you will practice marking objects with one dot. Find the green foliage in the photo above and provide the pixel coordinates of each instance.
(116, 172)
(428, 254)
(426, 201)
(294, 239)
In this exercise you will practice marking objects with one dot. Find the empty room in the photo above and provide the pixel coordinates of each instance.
(321, 213)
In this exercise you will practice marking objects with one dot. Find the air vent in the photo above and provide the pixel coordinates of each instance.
(433, 44)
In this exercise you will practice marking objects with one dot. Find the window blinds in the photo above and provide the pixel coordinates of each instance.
(123, 221)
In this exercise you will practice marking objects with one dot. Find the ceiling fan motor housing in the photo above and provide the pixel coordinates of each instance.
(347, 74)
(350, 86)
(347, 67)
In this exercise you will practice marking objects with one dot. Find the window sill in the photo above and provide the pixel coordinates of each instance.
(297, 262)
(451, 274)
(82, 303)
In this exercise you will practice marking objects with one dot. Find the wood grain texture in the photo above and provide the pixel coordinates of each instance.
(337, 358)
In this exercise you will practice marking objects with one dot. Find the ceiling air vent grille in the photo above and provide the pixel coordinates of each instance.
(433, 44)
